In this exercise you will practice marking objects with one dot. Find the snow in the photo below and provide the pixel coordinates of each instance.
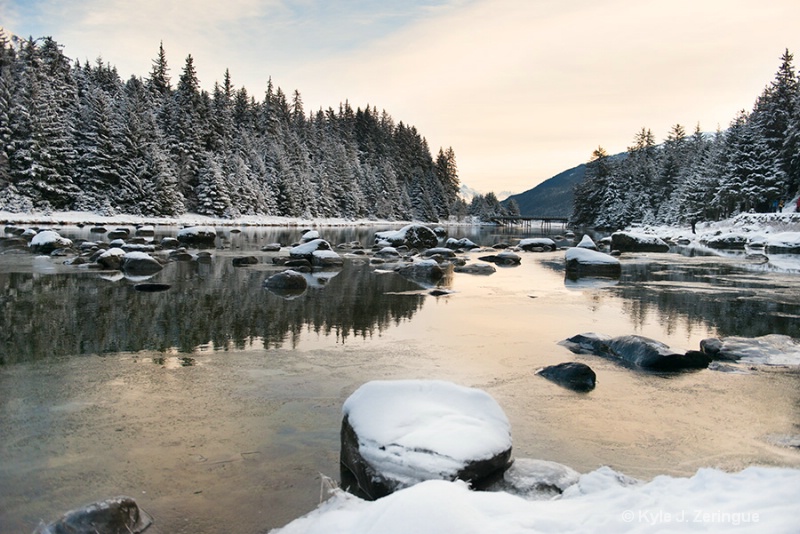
(114, 251)
(587, 242)
(136, 255)
(753, 501)
(415, 430)
(589, 257)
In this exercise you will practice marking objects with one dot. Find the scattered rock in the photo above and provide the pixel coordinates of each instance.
(475, 268)
(637, 351)
(47, 241)
(200, 236)
(413, 236)
(505, 258)
(462, 243)
(244, 260)
(287, 280)
(571, 375)
(537, 244)
(118, 515)
(139, 264)
(633, 242)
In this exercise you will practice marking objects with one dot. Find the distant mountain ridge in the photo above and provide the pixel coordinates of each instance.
(551, 198)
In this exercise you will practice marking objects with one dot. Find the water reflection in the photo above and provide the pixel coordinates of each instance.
(214, 302)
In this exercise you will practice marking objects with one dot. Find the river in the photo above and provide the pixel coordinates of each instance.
(217, 404)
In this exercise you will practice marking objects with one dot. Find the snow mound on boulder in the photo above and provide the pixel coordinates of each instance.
(414, 430)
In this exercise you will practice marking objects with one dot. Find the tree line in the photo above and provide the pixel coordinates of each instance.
(754, 165)
(77, 137)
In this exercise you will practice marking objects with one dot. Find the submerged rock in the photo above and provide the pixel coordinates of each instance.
(475, 268)
(423, 270)
(118, 515)
(772, 349)
(505, 258)
(396, 434)
(571, 375)
(637, 351)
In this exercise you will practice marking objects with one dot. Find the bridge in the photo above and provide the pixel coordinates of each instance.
(527, 222)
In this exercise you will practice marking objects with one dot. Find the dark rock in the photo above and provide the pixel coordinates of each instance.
(118, 515)
(439, 251)
(475, 268)
(462, 243)
(631, 242)
(170, 243)
(109, 259)
(245, 260)
(637, 351)
(425, 270)
(572, 375)
(140, 264)
(287, 280)
(98, 229)
(146, 231)
(271, 247)
(118, 233)
(504, 258)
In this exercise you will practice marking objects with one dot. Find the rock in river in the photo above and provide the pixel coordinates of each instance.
(637, 351)
(118, 515)
(571, 375)
(398, 433)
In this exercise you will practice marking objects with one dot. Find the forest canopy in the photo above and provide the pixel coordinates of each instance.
(77, 137)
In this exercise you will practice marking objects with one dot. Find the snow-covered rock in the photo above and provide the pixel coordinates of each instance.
(47, 241)
(588, 262)
(310, 235)
(772, 349)
(462, 243)
(636, 242)
(537, 244)
(728, 240)
(413, 236)
(317, 252)
(111, 258)
(587, 242)
(783, 243)
(752, 501)
(197, 235)
(399, 433)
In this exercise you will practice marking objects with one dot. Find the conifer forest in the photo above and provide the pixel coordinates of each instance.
(752, 166)
(77, 137)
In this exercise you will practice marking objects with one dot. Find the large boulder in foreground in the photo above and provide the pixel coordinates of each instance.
(587, 262)
(637, 351)
(413, 236)
(571, 375)
(118, 515)
(635, 242)
(396, 434)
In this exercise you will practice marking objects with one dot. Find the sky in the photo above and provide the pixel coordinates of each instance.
(520, 89)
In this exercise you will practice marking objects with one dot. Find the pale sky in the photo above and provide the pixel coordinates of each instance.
(521, 89)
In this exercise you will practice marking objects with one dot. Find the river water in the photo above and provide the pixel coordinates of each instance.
(217, 404)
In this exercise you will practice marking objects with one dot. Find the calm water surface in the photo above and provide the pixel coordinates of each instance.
(216, 404)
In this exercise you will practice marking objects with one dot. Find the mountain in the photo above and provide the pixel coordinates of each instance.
(551, 198)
